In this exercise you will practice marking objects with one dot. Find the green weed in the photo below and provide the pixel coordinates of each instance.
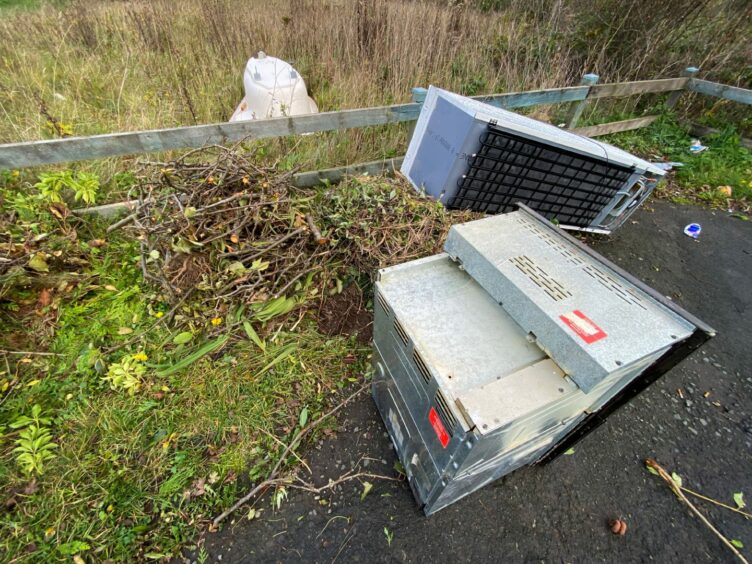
(704, 175)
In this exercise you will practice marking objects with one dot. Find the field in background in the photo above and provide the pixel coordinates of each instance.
(83, 68)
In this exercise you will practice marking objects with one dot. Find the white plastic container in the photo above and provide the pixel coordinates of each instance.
(273, 88)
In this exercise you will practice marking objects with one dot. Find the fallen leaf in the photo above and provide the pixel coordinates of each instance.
(125, 331)
(676, 478)
(569, 452)
(59, 210)
(39, 263)
(110, 287)
(31, 488)
(198, 487)
(45, 298)
(97, 243)
(739, 500)
(234, 238)
(367, 487)
(78, 560)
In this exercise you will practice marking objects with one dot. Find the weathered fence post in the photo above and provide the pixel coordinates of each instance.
(673, 98)
(418, 97)
(577, 109)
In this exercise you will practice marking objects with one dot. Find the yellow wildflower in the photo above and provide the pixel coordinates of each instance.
(216, 321)
(159, 314)
(140, 356)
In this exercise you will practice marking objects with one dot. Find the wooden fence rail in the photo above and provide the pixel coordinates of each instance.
(52, 151)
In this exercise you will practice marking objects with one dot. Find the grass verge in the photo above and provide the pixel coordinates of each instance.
(129, 460)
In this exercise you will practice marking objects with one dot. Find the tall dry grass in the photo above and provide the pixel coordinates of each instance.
(98, 66)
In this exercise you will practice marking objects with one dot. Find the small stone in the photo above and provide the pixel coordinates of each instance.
(689, 403)
(366, 462)
(703, 422)
(717, 365)
(705, 359)
(219, 557)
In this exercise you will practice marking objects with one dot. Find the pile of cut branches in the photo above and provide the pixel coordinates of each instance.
(217, 224)
(224, 227)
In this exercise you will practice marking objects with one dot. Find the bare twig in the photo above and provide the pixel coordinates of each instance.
(120, 223)
(317, 236)
(680, 494)
(273, 475)
(342, 479)
(30, 353)
(716, 502)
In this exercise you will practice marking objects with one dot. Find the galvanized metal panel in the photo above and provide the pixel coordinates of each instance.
(542, 281)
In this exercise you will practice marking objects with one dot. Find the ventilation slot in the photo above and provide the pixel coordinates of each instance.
(421, 366)
(401, 332)
(446, 415)
(540, 277)
(614, 286)
(384, 306)
(558, 183)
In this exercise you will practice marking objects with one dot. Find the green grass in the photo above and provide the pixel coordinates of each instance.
(724, 163)
(138, 476)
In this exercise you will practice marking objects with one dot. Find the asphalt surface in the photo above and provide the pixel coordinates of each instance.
(560, 512)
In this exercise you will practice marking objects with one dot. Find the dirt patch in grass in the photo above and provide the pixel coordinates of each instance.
(346, 314)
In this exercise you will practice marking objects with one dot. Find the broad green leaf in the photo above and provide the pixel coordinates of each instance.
(182, 338)
(303, 417)
(653, 470)
(73, 547)
(569, 452)
(253, 336)
(737, 543)
(739, 500)
(205, 349)
(236, 268)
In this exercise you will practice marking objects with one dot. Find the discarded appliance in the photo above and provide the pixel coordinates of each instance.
(509, 347)
(273, 88)
(476, 156)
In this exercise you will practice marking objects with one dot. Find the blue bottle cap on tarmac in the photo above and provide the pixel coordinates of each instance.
(693, 230)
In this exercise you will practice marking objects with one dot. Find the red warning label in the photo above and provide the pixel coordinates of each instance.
(438, 427)
(587, 330)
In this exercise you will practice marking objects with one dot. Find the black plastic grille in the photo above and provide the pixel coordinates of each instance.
(557, 183)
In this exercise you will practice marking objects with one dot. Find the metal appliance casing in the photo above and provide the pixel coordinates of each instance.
(446, 351)
(472, 155)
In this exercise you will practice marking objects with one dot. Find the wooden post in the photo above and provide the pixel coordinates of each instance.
(418, 97)
(577, 109)
(673, 98)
